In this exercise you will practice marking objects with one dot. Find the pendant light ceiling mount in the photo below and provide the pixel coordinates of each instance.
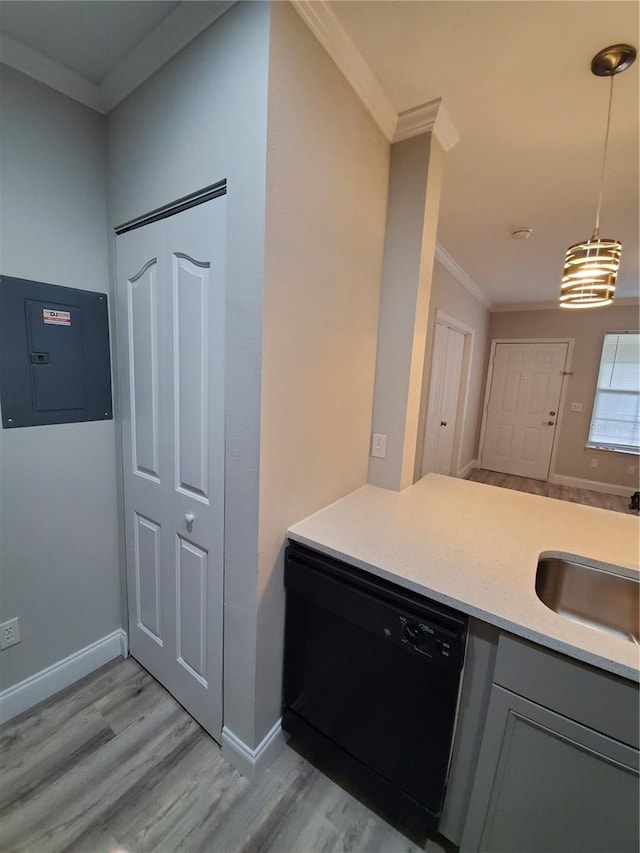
(591, 268)
(612, 60)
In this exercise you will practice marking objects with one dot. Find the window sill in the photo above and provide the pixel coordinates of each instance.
(630, 451)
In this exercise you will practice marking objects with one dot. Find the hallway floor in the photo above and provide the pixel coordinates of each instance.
(617, 503)
(113, 763)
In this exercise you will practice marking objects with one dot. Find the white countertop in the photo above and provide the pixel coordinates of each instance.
(476, 548)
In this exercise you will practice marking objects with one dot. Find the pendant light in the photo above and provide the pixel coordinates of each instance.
(591, 268)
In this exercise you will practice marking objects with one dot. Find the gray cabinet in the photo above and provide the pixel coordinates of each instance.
(548, 782)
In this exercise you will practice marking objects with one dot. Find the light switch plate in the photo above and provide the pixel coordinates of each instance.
(379, 445)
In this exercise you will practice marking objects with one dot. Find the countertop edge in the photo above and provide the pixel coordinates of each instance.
(520, 630)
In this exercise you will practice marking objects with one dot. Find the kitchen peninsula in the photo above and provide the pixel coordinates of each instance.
(547, 734)
(476, 548)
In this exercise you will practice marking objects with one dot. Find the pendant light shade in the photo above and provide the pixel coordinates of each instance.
(591, 268)
(590, 271)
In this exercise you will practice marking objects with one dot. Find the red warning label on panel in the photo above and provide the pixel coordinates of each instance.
(56, 318)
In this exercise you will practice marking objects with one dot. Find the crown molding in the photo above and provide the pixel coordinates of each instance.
(460, 275)
(173, 33)
(430, 117)
(504, 307)
(340, 47)
(424, 118)
(35, 64)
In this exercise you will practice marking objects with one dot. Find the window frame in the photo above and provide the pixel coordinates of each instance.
(612, 447)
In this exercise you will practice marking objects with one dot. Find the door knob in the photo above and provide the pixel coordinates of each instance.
(189, 518)
(443, 423)
(549, 423)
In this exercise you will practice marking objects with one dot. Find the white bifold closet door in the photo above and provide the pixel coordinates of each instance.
(171, 299)
(444, 394)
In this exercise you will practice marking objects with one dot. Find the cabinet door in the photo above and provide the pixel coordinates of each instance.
(545, 783)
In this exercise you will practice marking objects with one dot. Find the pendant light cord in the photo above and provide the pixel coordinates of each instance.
(604, 159)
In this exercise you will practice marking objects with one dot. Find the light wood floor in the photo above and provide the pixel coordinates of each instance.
(114, 763)
(550, 490)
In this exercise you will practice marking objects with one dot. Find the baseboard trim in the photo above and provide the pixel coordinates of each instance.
(468, 468)
(252, 762)
(592, 485)
(40, 686)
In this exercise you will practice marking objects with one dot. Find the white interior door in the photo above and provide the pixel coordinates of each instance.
(171, 278)
(444, 396)
(523, 408)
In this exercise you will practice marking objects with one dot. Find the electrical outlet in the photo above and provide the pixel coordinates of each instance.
(576, 407)
(9, 633)
(631, 469)
(594, 463)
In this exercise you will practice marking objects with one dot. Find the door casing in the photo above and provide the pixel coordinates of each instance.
(563, 390)
(467, 360)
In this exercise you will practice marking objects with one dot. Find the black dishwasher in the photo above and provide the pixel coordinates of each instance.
(372, 675)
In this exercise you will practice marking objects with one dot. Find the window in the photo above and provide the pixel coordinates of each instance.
(615, 423)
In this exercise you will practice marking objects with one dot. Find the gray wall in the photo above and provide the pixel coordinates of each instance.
(59, 559)
(202, 117)
(587, 328)
(415, 182)
(327, 176)
(299, 399)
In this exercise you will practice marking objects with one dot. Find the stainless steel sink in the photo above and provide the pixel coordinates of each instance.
(594, 597)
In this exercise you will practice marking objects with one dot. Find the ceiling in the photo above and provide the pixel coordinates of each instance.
(90, 38)
(514, 78)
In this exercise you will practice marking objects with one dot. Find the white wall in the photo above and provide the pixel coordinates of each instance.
(59, 558)
(449, 296)
(327, 175)
(202, 117)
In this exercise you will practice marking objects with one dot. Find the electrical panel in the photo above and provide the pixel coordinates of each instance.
(55, 366)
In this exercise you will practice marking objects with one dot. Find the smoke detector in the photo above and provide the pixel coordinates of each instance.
(521, 233)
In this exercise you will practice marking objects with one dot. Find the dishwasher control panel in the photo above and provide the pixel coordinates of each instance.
(429, 639)
(424, 629)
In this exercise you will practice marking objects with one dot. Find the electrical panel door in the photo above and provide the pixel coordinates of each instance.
(54, 354)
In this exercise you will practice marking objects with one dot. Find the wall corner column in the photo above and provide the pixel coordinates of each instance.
(415, 181)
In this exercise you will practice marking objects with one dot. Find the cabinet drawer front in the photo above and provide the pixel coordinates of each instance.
(596, 699)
